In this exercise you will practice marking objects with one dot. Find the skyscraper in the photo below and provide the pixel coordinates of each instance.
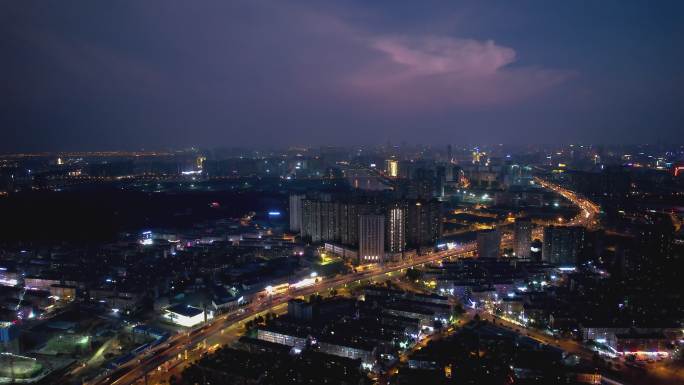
(562, 244)
(488, 243)
(371, 238)
(522, 238)
(392, 168)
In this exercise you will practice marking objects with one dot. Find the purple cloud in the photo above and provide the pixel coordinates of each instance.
(242, 70)
(442, 71)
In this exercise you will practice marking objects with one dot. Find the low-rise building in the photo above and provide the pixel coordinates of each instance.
(186, 315)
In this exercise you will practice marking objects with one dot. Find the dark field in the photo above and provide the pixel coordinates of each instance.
(102, 214)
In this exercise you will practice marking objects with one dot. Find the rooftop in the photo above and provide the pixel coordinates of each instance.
(185, 310)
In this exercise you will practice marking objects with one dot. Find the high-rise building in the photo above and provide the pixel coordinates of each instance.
(371, 238)
(440, 180)
(650, 255)
(311, 220)
(296, 212)
(536, 250)
(522, 238)
(408, 224)
(349, 221)
(488, 243)
(423, 222)
(300, 309)
(563, 244)
(332, 220)
(392, 168)
(423, 184)
(396, 228)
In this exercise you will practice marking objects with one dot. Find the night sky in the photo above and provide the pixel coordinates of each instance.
(98, 75)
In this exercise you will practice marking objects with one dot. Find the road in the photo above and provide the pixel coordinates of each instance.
(589, 211)
(194, 342)
(653, 373)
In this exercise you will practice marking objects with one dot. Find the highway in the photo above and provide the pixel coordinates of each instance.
(589, 211)
(184, 346)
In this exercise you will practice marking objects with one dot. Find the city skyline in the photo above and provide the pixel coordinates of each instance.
(265, 192)
(383, 265)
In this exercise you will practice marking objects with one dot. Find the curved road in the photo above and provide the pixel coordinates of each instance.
(589, 211)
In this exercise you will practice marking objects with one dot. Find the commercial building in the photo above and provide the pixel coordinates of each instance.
(186, 315)
(488, 243)
(349, 253)
(563, 244)
(628, 338)
(392, 168)
(646, 345)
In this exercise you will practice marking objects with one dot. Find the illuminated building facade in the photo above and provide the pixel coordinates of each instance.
(281, 337)
(186, 315)
(371, 238)
(396, 228)
(392, 168)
